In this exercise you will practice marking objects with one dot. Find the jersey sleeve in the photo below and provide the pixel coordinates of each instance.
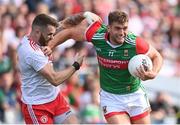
(142, 47)
(91, 30)
(37, 60)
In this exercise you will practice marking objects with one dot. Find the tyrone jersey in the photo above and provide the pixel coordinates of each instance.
(113, 59)
(35, 88)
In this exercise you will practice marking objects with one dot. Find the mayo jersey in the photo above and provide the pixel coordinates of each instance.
(35, 88)
(113, 59)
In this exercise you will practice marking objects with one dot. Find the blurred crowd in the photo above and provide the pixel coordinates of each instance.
(157, 21)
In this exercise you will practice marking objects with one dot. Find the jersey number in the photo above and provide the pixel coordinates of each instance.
(111, 53)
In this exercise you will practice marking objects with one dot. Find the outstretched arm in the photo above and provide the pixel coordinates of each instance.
(66, 29)
(72, 27)
(66, 32)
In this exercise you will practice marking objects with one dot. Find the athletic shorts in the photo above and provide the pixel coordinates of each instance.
(136, 104)
(53, 112)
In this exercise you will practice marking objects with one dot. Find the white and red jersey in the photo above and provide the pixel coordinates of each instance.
(35, 88)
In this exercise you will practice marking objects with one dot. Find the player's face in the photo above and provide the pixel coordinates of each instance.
(47, 35)
(118, 32)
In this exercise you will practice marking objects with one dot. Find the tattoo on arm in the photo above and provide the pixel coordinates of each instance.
(70, 22)
(74, 20)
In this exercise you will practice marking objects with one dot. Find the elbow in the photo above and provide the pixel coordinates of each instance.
(57, 82)
(54, 81)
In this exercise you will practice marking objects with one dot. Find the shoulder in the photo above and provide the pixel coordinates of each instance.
(142, 46)
(30, 48)
(95, 31)
(131, 38)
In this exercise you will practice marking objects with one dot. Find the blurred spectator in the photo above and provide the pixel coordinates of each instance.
(162, 108)
(42, 8)
(90, 111)
(156, 20)
(177, 111)
(135, 22)
(73, 90)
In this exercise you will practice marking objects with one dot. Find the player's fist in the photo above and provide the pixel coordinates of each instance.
(91, 17)
(46, 50)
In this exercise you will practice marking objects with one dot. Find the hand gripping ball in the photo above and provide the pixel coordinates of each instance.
(136, 61)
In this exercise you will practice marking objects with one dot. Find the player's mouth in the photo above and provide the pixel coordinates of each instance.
(121, 37)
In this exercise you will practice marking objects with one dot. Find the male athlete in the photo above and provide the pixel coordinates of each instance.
(122, 97)
(42, 102)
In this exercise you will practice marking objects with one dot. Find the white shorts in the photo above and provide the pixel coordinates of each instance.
(136, 104)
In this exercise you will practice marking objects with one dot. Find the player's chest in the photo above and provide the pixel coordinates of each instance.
(120, 53)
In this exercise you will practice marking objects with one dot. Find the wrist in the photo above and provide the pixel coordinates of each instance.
(76, 65)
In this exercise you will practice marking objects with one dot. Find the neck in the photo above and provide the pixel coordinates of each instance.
(33, 37)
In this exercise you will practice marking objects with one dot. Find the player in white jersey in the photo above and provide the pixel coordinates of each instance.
(42, 102)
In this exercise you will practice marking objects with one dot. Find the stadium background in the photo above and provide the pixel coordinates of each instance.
(157, 21)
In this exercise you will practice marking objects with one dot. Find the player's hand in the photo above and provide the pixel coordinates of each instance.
(79, 58)
(91, 17)
(46, 50)
(145, 74)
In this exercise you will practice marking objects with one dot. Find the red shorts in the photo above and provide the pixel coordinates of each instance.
(44, 113)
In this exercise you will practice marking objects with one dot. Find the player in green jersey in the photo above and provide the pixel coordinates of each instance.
(122, 97)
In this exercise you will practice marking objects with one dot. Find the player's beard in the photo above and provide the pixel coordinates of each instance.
(43, 41)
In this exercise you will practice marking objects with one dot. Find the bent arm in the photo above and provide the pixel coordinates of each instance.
(143, 47)
(56, 78)
(156, 59)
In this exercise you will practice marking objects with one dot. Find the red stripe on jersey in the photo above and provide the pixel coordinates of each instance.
(33, 44)
(142, 46)
(92, 30)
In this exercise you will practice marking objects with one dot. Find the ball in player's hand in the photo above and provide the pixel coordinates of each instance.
(137, 61)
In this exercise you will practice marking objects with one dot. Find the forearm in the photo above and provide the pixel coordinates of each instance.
(157, 63)
(61, 76)
(73, 27)
(65, 31)
(59, 38)
(73, 20)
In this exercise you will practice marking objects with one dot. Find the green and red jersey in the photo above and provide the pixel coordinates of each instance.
(113, 60)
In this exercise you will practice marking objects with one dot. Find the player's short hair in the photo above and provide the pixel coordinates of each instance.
(43, 20)
(117, 16)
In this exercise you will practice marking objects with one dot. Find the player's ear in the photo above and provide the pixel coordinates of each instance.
(108, 28)
(37, 31)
